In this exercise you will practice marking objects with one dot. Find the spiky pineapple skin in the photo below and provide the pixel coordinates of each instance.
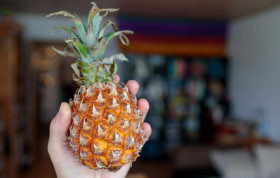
(106, 130)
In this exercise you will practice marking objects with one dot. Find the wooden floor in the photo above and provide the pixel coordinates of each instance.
(42, 167)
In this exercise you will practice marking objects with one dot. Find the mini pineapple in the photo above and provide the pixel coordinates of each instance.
(106, 130)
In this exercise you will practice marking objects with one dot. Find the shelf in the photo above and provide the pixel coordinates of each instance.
(187, 96)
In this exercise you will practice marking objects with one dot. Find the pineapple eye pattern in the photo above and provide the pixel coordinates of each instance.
(128, 158)
(125, 123)
(101, 130)
(76, 120)
(87, 124)
(130, 141)
(73, 131)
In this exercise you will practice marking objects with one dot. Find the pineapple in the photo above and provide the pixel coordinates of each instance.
(106, 130)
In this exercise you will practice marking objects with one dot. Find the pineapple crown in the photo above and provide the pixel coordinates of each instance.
(88, 44)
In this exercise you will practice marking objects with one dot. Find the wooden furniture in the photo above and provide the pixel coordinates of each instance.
(233, 140)
(11, 94)
(2, 143)
(50, 83)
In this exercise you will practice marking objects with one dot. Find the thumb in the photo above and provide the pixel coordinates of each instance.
(60, 125)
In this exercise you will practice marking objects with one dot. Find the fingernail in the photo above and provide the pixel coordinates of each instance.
(60, 112)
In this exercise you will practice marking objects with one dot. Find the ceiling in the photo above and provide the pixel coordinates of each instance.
(192, 9)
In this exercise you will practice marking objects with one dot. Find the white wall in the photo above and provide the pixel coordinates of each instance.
(254, 50)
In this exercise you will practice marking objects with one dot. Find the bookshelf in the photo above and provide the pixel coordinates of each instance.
(188, 98)
(182, 68)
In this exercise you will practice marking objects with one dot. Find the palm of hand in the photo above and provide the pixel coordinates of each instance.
(67, 166)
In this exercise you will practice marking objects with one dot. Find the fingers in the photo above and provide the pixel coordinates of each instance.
(148, 130)
(60, 124)
(143, 104)
(133, 87)
(144, 107)
(117, 78)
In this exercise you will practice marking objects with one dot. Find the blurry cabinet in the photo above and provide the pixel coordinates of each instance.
(2, 143)
(11, 135)
(50, 83)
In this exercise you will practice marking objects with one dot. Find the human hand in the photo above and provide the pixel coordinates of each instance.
(61, 154)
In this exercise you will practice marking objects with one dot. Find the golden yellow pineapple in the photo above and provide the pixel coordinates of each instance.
(106, 130)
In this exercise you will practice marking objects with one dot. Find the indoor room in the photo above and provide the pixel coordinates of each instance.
(183, 89)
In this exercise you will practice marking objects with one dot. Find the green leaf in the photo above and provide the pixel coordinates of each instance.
(75, 35)
(86, 72)
(82, 50)
(95, 18)
(79, 24)
(96, 22)
(80, 28)
(88, 45)
(75, 68)
(64, 13)
(111, 35)
(92, 13)
(111, 59)
(101, 72)
(98, 53)
(90, 37)
(69, 42)
(114, 68)
(105, 26)
(65, 52)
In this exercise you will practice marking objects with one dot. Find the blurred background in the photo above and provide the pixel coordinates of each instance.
(208, 68)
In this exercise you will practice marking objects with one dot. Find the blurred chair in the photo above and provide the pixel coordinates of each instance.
(268, 161)
(234, 163)
(262, 162)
